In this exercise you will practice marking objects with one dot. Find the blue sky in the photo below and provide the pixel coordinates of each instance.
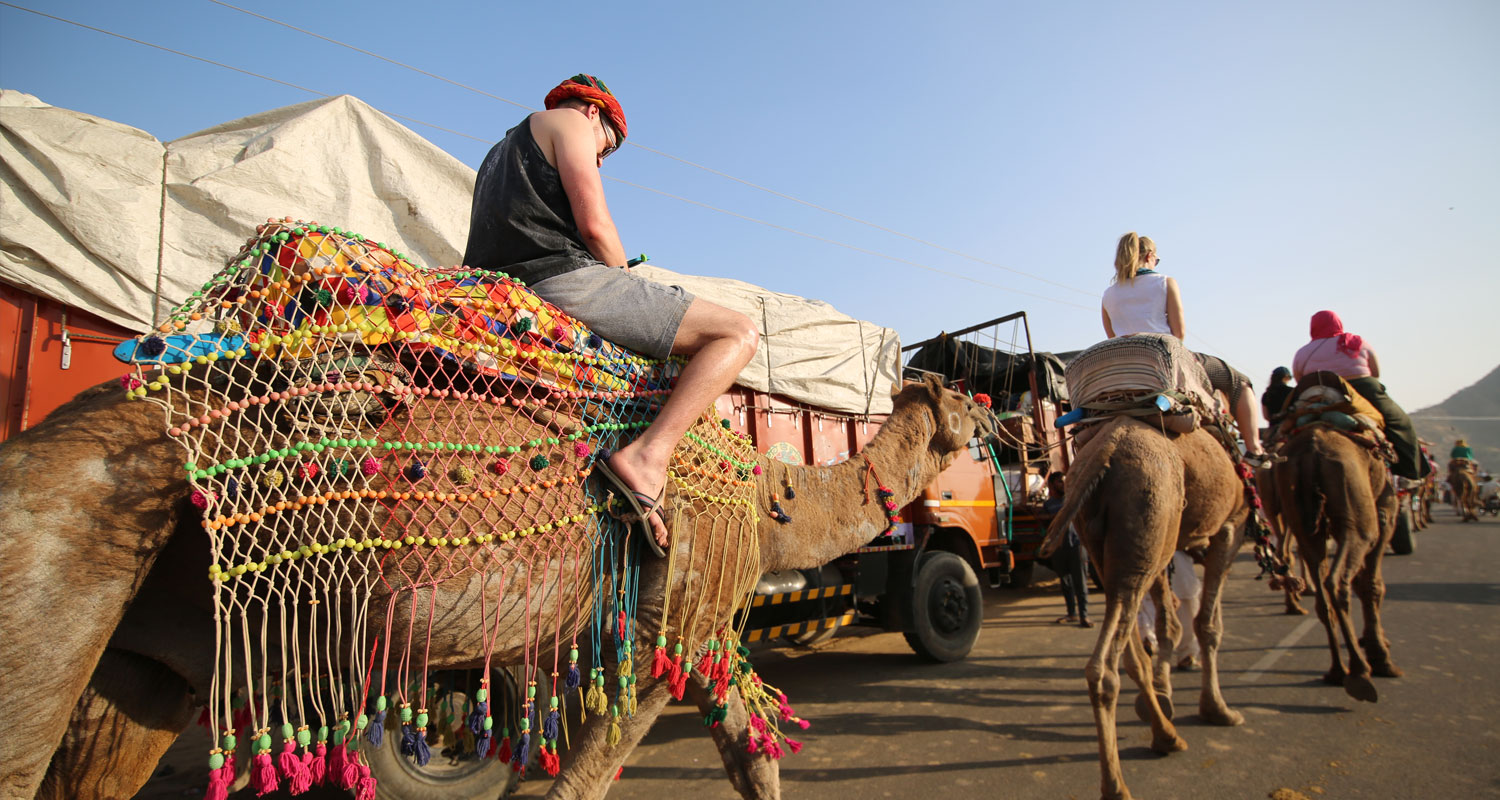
(1286, 156)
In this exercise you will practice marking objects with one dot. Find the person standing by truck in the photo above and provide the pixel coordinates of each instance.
(539, 215)
(1071, 561)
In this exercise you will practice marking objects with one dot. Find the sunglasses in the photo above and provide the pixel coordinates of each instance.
(611, 141)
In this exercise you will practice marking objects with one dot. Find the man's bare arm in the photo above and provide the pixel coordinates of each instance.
(569, 136)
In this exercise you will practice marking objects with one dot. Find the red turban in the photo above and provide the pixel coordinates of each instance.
(592, 90)
(1327, 324)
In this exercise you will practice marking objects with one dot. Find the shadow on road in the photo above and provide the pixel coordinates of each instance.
(1486, 594)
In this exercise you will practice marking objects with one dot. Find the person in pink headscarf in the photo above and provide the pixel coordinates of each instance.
(1351, 358)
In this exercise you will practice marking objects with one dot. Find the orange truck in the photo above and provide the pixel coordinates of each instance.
(981, 516)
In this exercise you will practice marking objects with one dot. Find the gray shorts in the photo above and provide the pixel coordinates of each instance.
(620, 306)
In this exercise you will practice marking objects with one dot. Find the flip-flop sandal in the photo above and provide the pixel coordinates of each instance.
(640, 504)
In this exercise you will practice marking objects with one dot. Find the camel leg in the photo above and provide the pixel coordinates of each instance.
(1370, 586)
(592, 764)
(1168, 632)
(1339, 584)
(1164, 738)
(1103, 674)
(1209, 625)
(755, 777)
(132, 711)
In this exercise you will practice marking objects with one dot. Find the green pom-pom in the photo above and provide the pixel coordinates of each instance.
(421, 720)
(677, 649)
(724, 423)
(488, 723)
(661, 640)
(380, 703)
(522, 325)
(539, 462)
(228, 743)
(323, 733)
(531, 691)
(364, 721)
(287, 731)
(553, 703)
(405, 715)
(481, 695)
(264, 742)
(216, 761)
(304, 737)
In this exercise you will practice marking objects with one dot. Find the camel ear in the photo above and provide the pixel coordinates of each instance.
(934, 386)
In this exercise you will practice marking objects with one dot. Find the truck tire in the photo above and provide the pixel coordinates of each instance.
(947, 608)
(1404, 540)
(449, 776)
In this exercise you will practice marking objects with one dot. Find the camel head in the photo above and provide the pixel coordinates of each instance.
(956, 418)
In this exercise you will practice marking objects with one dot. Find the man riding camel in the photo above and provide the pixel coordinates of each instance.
(539, 215)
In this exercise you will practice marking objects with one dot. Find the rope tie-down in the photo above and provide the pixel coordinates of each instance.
(370, 445)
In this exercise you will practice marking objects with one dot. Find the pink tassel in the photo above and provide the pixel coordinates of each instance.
(753, 748)
(366, 790)
(795, 746)
(293, 769)
(350, 777)
(335, 767)
(317, 764)
(218, 784)
(262, 774)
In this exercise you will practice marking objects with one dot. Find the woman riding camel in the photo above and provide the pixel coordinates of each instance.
(1142, 300)
(1461, 449)
(1347, 355)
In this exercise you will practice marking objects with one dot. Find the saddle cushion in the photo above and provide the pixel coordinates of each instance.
(1139, 366)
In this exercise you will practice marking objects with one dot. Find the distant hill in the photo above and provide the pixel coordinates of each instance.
(1476, 413)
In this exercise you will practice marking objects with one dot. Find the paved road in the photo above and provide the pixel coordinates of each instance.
(1013, 719)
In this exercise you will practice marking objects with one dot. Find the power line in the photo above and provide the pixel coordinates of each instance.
(678, 159)
(794, 231)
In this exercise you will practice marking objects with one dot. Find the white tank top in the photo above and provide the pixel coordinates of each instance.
(1138, 306)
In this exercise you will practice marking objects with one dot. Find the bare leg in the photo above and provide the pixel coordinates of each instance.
(1248, 419)
(720, 342)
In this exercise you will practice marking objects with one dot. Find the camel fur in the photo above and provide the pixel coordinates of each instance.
(96, 524)
(1341, 507)
(1139, 494)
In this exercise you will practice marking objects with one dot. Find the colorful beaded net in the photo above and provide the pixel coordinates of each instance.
(384, 454)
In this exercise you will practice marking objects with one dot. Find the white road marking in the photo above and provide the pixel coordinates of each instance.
(1287, 643)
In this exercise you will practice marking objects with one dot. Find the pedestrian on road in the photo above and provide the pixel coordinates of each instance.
(1070, 562)
(1188, 589)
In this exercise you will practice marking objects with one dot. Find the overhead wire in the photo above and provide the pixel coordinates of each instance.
(804, 234)
(413, 120)
(678, 159)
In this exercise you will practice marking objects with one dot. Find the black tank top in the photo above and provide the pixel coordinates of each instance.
(521, 222)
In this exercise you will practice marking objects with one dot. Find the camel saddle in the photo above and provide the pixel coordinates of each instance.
(1147, 375)
(1328, 400)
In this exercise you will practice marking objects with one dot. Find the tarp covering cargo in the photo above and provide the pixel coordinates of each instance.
(986, 370)
(104, 217)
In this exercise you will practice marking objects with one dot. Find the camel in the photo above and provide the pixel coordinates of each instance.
(1292, 587)
(1140, 494)
(96, 523)
(1337, 490)
(1465, 490)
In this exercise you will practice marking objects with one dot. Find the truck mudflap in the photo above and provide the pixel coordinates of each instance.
(797, 628)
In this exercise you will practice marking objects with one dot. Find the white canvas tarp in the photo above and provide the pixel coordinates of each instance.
(104, 217)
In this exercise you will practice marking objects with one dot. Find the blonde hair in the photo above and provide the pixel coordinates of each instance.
(1131, 255)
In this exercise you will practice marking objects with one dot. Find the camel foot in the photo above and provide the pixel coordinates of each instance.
(1143, 706)
(1293, 610)
(1226, 717)
(1334, 677)
(1168, 743)
(1385, 669)
(1123, 794)
(1359, 687)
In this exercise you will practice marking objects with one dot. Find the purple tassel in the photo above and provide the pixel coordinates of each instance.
(573, 679)
(424, 754)
(376, 733)
(482, 744)
(549, 726)
(522, 753)
(408, 740)
(476, 718)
